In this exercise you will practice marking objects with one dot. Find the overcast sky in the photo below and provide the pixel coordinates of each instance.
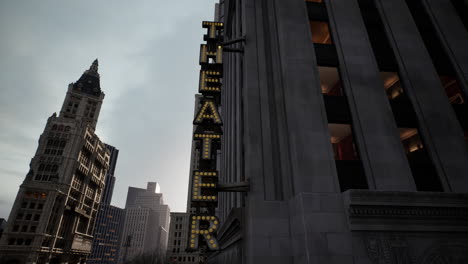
(148, 62)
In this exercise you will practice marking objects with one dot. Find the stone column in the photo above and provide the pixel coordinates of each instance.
(438, 124)
(374, 127)
(294, 207)
(453, 36)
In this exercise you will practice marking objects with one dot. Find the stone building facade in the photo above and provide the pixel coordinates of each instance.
(53, 216)
(178, 240)
(348, 118)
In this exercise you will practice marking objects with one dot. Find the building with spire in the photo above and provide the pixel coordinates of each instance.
(54, 212)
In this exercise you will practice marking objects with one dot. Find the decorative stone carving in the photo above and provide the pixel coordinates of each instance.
(387, 249)
(374, 249)
(445, 253)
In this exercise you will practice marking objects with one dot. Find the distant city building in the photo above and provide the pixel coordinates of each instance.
(107, 235)
(53, 216)
(146, 224)
(110, 178)
(109, 223)
(178, 240)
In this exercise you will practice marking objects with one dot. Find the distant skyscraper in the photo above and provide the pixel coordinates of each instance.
(146, 223)
(109, 223)
(53, 216)
(110, 178)
(178, 240)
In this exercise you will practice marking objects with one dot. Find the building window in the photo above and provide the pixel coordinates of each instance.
(47, 172)
(439, 57)
(320, 32)
(19, 216)
(349, 167)
(330, 81)
(15, 228)
(28, 216)
(11, 241)
(422, 168)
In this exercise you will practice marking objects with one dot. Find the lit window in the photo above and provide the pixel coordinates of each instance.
(320, 32)
(330, 81)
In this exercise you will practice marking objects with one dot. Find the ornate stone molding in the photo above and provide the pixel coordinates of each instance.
(406, 211)
(445, 253)
(387, 248)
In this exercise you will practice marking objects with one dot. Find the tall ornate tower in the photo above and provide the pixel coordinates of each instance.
(53, 216)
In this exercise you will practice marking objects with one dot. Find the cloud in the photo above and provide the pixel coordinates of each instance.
(148, 53)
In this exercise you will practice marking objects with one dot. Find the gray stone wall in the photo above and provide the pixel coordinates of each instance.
(276, 136)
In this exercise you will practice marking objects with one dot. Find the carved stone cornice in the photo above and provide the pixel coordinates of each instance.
(409, 211)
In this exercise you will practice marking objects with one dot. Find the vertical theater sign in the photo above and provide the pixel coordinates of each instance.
(207, 134)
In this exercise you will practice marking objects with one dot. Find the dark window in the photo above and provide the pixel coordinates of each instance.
(24, 228)
(28, 216)
(11, 241)
(36, 217)
(437, 52)
(462, 9)
(424, 172)
(40, 206)
(32, 205)
(28, 242)
(19, 216)
(15, 228)
(422, 168)
(24, 205)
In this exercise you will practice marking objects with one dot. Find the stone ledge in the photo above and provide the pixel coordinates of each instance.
(406, 211)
